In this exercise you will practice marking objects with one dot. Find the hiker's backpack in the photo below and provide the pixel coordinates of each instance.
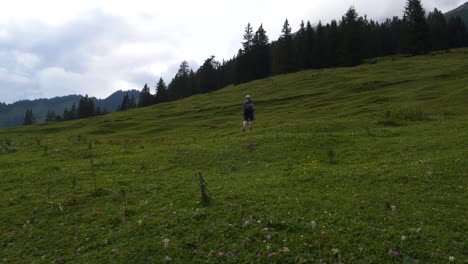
(248, 107)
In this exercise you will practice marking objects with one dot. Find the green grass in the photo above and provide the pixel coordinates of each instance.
(339, 147)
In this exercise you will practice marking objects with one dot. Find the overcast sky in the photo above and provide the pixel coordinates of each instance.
(53, 47)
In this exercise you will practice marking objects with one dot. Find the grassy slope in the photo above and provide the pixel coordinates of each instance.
(322, 156)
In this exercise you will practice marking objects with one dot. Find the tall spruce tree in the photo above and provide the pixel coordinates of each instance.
(207, 75)
(457, 32)
(283, 61)
(146, 99)
(126, 103)
(180, 85)
(51, 116)
(320, 46)
(310, 45)
(245, 59)
(86, 107)
(29, 118)
(261, 54)
(161, 91)
(438, 30)
(351, 27)
(332, 46)
(247, 44)
(416, 30)
(300, 47)
(73, 112)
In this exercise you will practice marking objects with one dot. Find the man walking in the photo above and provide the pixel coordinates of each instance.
(248, 112)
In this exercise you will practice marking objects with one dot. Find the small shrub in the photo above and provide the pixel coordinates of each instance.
(123, 196)
(331, 155)
(400, 115)
(38, 141)
(93, 174)
(6, 146)
(204, 196)
(46, 149)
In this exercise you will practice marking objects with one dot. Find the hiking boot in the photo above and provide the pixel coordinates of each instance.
(243, 129)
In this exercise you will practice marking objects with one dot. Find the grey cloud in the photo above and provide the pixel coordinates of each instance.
(81, 56)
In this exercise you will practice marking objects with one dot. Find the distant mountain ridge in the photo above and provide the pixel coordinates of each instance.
(12, 115)
(461, 11)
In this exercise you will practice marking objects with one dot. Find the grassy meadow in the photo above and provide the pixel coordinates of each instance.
(354, 165)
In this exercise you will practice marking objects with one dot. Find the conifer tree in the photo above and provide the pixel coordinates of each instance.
(207, 75)
(416, 30)
(283, 61)
(458, 36)
(261, 53)
(132, 102)
(247, 44)
(126, 104)
(86, 107)
(245, 58)
(438, 30)
(50, 116)
(180, 85)
(310, 45)
(161, 91)
(73, 112)
(300, 47)
(350, 28)
(29, 118)
(146, 99)
(98, 111)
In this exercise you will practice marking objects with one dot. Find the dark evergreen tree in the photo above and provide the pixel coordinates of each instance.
(227, 72)
(51, 116)
(98, 111)
(146, 99)
(207, 75)
(180, 86)
(127, 103)
(247, 44)
(73, 112)
(29, 118)
(161, 92)
(283, 52)
(300, 47)
(416, 30)
(70, 114)
(245, 58)
(457, 32)
(438, 30)
(194, 83)
(351, 27)
(371, 38)
(310, 46)
(319, 47)
(332, 44)
(86, 107)
(261, 54)
(132, 102)
(3, 107)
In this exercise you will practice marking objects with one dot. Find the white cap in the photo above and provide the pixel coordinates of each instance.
(247, 96)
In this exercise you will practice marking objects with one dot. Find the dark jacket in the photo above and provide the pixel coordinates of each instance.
(248, 107)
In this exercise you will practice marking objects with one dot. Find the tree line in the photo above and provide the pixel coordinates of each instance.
(86, 108)
(339, 43)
